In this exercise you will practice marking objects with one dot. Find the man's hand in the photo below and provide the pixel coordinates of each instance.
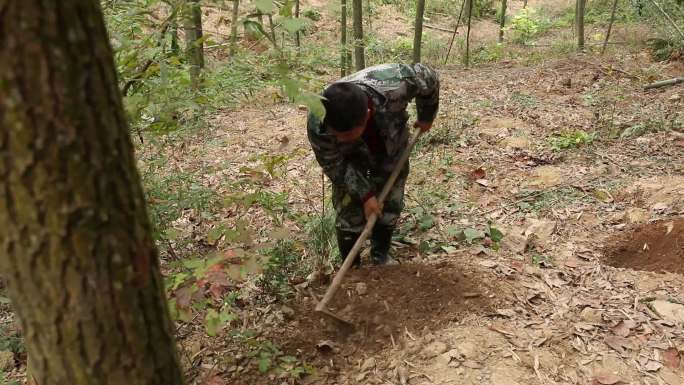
(424, 126)
(372, 206)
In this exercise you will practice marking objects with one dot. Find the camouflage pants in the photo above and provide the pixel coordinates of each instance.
(350, 217)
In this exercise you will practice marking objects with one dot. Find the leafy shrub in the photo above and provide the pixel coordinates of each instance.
(284, 264)
(664, 49)
(312, 14)
(524, 25)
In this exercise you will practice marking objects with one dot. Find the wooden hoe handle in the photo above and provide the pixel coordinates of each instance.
(349, 260)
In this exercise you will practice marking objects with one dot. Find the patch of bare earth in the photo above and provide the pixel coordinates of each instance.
(654, 247)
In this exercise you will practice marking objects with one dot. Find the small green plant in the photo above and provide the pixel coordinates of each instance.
(541, 259)
(488, 53)
(663, 49)
(523, 100)
(524, 26)
(284, 263)
(312, 14)
(3, 380)
(652, 124)
(170, 193)
(572, 139)
(11, 340)
(268, 357)
(321, 243)
(378, 51)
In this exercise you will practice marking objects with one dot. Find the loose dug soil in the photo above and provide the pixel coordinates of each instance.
(395, 299)
(649, 247)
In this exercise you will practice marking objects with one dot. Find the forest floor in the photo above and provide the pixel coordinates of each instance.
(585, 287)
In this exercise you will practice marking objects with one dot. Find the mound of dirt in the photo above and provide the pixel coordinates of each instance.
(655, 247)
(385, 304)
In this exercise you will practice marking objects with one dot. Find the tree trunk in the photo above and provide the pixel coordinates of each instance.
(297, 41)
(271, 26)
(610, 27)
(418, 33)
(502, 22)
(359, 59)
(470, 16)
(524, 3)
(175, 47)
(234, 27)
(76, 249)
(369, 15)
(453, 36)
(343, 38)
(192, 20)
(580, 24)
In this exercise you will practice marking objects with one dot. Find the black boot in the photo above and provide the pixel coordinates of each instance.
(381, 240)
(345, 242)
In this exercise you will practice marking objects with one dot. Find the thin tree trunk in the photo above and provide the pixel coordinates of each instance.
(418, 33)
(610, 27)
(234, 27)
(175, 47)
(525, 4)
(343, 38)
(574, 19)
(297, 41)
(76, 249)
(470, 16)
(192, 17)
(359, 59)
(369, 16)
(453, 36)
(502, 22)
(271, 26)
(580, 24)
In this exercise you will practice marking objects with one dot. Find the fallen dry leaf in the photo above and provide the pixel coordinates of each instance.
(624, 328)
(607, 378)
(472, 364)
(402, 373)
(483, 182)
(653, 366)
(510, 313)
(478, 174)
(555, 279)
(489, 264)
(326, 346)
(618, 344)
(670, 227)
(215, 380)
(671, 358)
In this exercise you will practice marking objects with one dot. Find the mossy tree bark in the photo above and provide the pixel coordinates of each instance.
(76, 249)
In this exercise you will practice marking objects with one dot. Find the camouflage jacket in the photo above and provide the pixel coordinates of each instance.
(390, 87)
